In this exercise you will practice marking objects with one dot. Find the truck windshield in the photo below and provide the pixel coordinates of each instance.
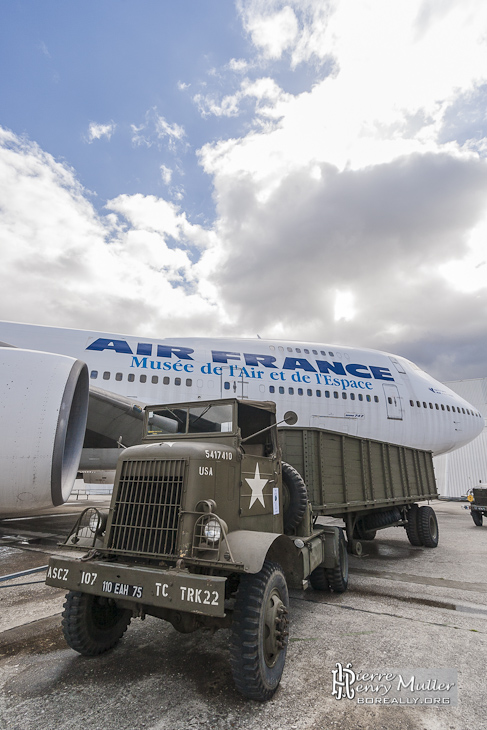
(195, 419)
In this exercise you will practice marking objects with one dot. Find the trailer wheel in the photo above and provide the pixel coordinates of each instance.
(477, 517)
(295, 498)
(338, 577)
(428, 527)
(319, 579)
(258, 641)
(93, 624)
(412, 526)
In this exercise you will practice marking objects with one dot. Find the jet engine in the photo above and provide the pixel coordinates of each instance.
(43, 411)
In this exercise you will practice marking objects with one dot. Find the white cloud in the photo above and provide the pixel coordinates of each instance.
(166, 174)
(156, 128)
(97, 131)
(130, 270)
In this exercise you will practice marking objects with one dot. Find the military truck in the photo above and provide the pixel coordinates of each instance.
(208, 528)
(477, 498)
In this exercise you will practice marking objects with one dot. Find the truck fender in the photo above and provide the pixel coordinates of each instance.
(251, 548)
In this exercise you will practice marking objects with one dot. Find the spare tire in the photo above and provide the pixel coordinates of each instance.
(295, 498)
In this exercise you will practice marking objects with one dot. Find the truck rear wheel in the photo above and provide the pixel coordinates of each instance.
(338, 576)
(412, 526)
(319, 579)
(93, 624)
(477, 517)
(428, 527)
(258, 642)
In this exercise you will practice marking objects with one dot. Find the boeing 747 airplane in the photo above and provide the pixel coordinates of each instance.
(64, 389)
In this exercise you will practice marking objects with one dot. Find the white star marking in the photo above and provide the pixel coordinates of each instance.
(257, 486)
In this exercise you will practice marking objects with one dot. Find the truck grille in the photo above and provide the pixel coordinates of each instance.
(146, 511)
(480, 496)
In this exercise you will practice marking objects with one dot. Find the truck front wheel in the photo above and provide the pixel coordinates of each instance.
(260, 632)
(93, 624)
(477, 517)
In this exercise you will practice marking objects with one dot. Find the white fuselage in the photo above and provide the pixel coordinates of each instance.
(356, 391)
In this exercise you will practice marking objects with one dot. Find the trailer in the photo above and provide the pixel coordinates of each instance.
(369, 484)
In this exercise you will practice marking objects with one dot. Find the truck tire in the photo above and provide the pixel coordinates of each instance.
(360, 533)
(428, 527)
(295, 498)
(93, 624)
(412, 526)
(319, 579)
(338, 577)
(477, 517)
(258, 643)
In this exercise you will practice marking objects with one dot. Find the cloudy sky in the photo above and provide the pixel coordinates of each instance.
(296, 169)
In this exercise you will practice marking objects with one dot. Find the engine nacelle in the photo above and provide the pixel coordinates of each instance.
(43, 411)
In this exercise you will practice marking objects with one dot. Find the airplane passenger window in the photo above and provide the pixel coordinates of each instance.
(165, 380)
(411, 403)
(131, 377)
(323, 353)
(389, 400)
(431, 405)
(289, 349)
(177, 381)
(448, 408)
(344, 395)
(335, 394)
(281, 390)
(189, 382)
(453, 409)
(291, 391)
(463, 410)
(94, 374)
(298, 349)
(376, 398)
(272, 389)
(106, 375)
(306, 351)
(437, 406)
(226, 385)
(424, 405)
(155, 379)
(369, 399)
(318, 393)
(118, 376)
(271, 347)
(309, 391)
(281, 349)
(352, 396)
(327, 393)
(300, 391)
(442, 407)
(418, 404)
(315, 352)
(360, 396)
(143, 378)
(331, 354)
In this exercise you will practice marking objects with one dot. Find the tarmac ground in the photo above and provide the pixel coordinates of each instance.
(406, 607)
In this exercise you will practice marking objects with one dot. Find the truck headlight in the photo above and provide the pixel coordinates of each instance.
(212, 530)
(98, 522)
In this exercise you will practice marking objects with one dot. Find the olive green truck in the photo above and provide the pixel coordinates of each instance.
(214, 516)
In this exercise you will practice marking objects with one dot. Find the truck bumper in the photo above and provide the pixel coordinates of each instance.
(173, 589)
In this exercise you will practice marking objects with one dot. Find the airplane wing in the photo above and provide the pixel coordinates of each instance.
(111, 418)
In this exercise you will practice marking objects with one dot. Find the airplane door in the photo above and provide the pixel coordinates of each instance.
(232, 387)
(393, 402)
